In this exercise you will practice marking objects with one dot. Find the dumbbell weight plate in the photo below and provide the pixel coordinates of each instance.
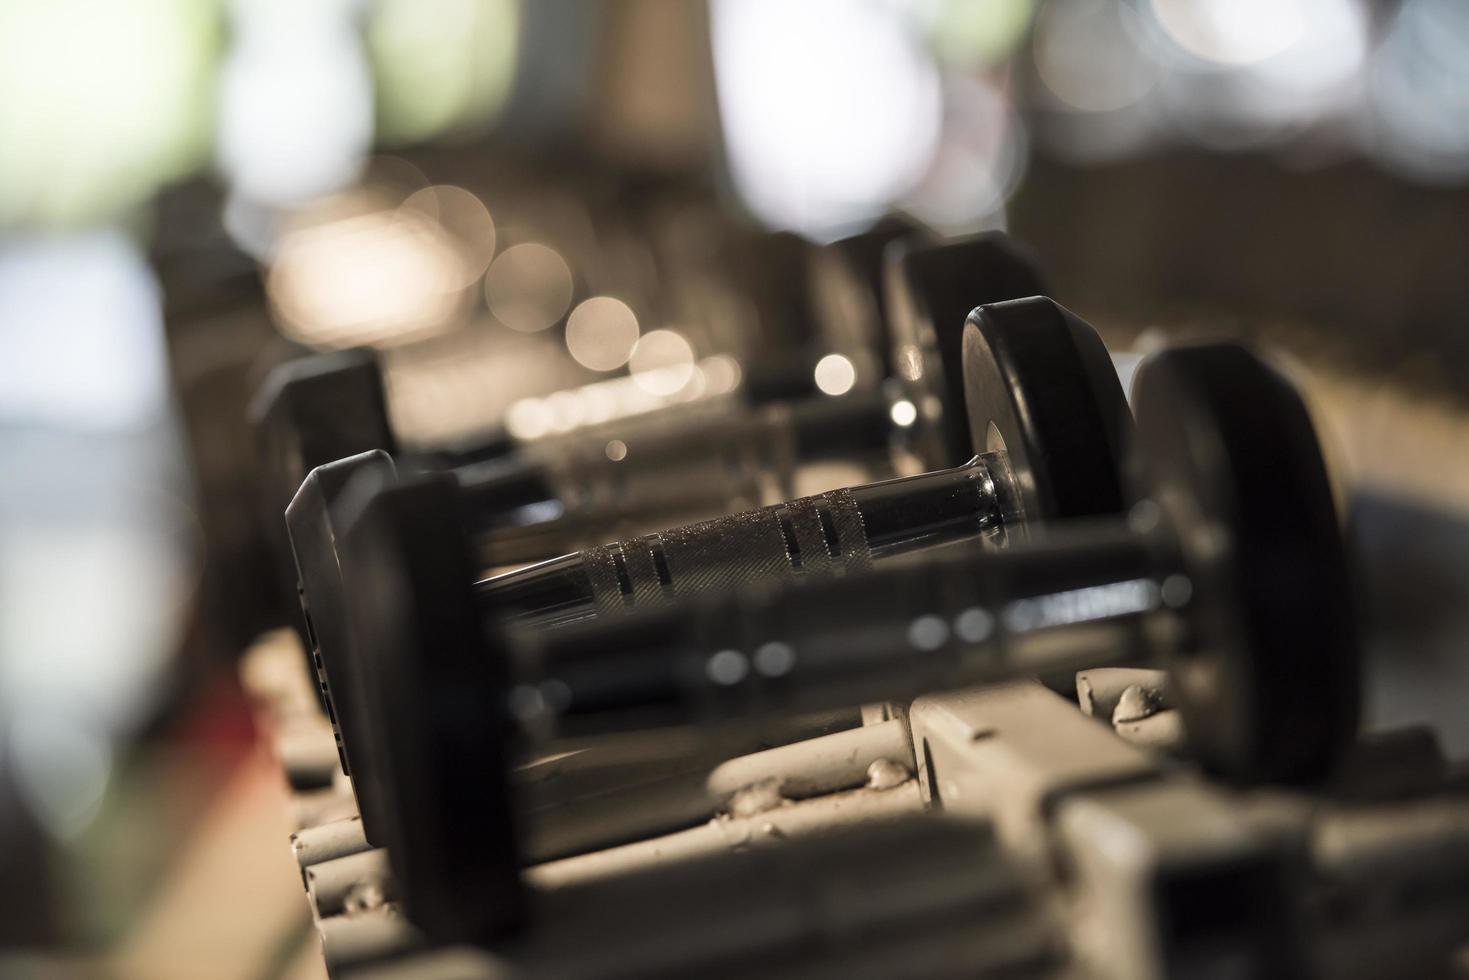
(442, 751)
(1039, 384)
(311, 411)
(1270, 685)
(849, 293)
(930, 285)
(300, 416)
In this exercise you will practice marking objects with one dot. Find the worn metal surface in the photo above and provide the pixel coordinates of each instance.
(1012, 752)
(1168, 881)
(323, 842)
(1098, 691)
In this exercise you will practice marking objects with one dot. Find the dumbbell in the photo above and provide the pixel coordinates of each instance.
(1046, 418)
(983, 267)
(323, 408)
(710, 458)
(851, 294)
(329, 406)
(340, 409)
(1050, 419)
(1230, 572)
(546, 500)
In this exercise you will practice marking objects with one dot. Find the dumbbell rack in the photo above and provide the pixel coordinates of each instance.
(1164, 873)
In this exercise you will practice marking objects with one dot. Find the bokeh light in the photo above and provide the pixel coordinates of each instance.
(63, 765)
(528, 287)
(103, 103)
(721, 374)
(978, 164)
(1417, 106)
(528, 418)
(380, 278)
(440, 66)
(662, 363)
(1086, 55)
(295, 100)
(966, 33)
(567, 411)
(1232, 32)
(81, 333)
(462, 217)
(835, 374)
(831, 109)
(1239, 77)
(625, 397)
(601, 333)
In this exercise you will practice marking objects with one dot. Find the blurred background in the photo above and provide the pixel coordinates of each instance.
(512, 198)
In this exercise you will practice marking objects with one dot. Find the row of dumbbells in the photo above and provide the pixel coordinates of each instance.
(1050, 530)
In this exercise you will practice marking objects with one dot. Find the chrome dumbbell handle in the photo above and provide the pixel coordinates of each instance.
(589, 488)
(1238, 532)
(1104, 594)
(829, 534)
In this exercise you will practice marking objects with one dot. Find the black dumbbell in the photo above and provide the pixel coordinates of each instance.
(315, 410)
(520, 508)
(1051, 421)
(851, 297)
(1230, 571)
(540, 496)
(326, 407)
(1046, 418)
(1043, 393)
(574, 476)
(499, 492)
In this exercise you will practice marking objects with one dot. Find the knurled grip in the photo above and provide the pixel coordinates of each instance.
(821, 535)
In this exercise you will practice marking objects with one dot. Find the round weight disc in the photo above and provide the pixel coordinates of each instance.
(315, 519)
(1039, 384)
(849, 294)
(440, 711)
(317, 409)
(1269, 679)
(311, 411)
(931, 289)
